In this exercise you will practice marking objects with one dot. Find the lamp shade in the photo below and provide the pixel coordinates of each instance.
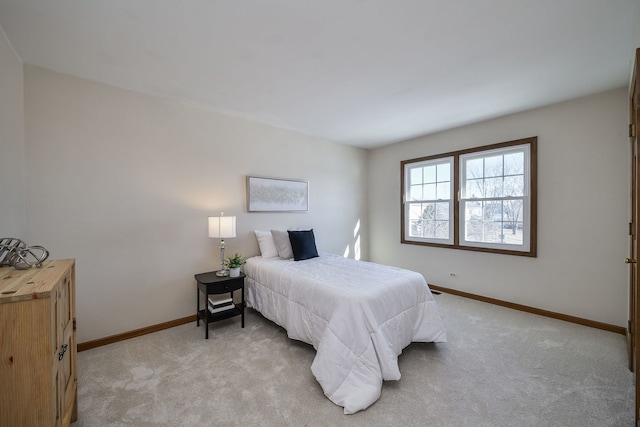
(222, 227)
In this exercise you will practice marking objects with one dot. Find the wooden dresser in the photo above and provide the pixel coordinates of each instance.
(38, 366)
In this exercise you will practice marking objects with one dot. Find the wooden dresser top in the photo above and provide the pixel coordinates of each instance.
(33, 283)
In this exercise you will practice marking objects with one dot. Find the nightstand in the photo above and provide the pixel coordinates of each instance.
(210, 284)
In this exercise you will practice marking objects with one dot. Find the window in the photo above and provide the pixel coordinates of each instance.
(480, 199)
(429, 207)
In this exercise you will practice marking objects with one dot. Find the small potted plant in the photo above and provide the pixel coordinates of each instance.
(234, 263)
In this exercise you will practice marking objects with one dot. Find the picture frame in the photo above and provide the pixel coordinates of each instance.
(277, 195)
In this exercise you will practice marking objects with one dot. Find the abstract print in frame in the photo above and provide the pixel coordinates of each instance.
(277, 195)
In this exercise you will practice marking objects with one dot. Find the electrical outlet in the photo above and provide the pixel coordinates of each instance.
(452, 274)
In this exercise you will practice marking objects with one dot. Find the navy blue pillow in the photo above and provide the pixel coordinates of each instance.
(303, 244)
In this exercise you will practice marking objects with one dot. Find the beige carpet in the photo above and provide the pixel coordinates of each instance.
(500, 368)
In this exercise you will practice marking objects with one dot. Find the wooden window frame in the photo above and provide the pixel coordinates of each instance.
(533, 198)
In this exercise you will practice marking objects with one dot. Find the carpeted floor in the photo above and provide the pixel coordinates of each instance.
(500, 368)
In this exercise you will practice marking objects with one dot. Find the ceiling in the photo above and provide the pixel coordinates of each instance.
(358, 72)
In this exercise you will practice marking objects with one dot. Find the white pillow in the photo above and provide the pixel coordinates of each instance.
(265, 242)
(283, 244)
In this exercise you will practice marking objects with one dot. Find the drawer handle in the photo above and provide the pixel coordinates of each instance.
(64, 350)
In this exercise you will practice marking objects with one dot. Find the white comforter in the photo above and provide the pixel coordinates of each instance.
(357, 315)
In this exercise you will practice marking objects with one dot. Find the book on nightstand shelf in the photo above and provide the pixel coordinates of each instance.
(220, 305)
(221, 308)
(217, 303)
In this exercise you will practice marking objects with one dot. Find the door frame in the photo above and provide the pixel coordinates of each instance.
(634, 243)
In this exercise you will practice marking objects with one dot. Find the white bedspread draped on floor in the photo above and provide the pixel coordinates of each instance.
(357, 315)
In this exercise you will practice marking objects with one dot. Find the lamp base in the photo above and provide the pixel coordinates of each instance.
(222, 273)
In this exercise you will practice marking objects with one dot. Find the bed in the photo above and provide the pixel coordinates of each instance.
(357, 315)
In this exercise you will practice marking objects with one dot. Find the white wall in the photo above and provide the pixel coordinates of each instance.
(124, 183)
(12, 200)
(636, 29)
(583, 194)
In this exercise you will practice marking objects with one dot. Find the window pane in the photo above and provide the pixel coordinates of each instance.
(415, 192)
(492, 232)
(415, 211)
(514, 164)
(429, 192)
(430, 174)
(512, 211)
(415, 176)
(493, 211)
(493, 166)
(443, 190)
(473, 220)
(416, 228)
(493, 187)
(514, 185)
(442, 211)
(419, 212)
(444, 172)
(442, 230)
(474, 168)
(474, 188)
(415, 219)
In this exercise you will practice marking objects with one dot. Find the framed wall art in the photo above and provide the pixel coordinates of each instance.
(277, 195)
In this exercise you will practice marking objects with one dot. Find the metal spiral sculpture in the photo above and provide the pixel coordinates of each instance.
(16, 253)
